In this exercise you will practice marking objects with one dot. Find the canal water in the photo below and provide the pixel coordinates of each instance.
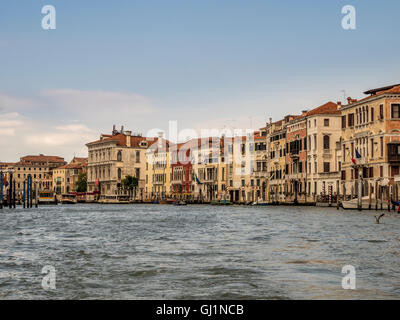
(197, 252)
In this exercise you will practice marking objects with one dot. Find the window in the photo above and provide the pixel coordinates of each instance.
(351, 120)
(343, 122)
(395, 111)
(326, 142)
(327, 166)
(137, 156)
(119, 155)
(326, 122)
(381, 112)
(372, 147)
(381, 139)
(372, 115)
(119, 173)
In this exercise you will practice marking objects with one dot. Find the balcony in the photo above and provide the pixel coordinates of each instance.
(394, 158)
(393, 152)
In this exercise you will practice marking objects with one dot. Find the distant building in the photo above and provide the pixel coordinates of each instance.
(66, 177)
(113, 157)
(323, 151)
(40, 167)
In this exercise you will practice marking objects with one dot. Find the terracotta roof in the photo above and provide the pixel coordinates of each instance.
(42, 158)
(382, 89)
(72, 166)
(327, 108)
(80, 160)
(120, 140)
(376, 93)
(4, 165)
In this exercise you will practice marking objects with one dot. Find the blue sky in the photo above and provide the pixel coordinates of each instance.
(204, 63)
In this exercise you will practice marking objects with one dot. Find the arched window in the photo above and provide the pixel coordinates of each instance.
(119, 173)
(119, 155)
(326, 142)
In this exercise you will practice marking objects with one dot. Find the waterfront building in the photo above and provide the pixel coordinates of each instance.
(113, 157)
(182, 186)
(323, 152)
(296, 159)
(158, 169)
(241, 160)
(66, 177)
(371, 126)
(259, 176)
(276, 159)
(209, 168)
(40, 167)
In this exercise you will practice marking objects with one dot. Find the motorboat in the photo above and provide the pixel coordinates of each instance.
(366, 204)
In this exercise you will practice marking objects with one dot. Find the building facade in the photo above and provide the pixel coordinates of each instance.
(111, 159)
(371, 128)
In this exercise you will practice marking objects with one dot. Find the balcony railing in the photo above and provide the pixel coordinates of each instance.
(394, 157)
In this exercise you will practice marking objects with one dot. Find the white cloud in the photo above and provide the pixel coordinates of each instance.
(9, 123)
(62, 121)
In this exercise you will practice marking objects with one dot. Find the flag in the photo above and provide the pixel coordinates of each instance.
(196, 179)
(358, 156)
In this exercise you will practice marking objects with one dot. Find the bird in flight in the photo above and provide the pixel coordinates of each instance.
(379, 218)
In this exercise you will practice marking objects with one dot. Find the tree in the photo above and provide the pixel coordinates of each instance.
(81, 184)
(130, 183)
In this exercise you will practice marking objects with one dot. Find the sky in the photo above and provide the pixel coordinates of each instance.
(203, 63)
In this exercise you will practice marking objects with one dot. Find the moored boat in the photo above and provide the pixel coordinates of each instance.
(47, 197)
(68, 199)
(366, 204)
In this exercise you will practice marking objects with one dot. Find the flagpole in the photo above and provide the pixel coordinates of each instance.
(359, 189)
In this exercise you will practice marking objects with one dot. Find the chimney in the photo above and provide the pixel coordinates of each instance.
(304, 112)
(122, 129)
(128, 138)
(160, 137)
(113, 130)
(339, 105)
(349, 100)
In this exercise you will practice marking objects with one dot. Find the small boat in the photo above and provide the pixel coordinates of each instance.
(365, 204)
(180, 203)
(47, 197)
(260, 203)
(68, 199)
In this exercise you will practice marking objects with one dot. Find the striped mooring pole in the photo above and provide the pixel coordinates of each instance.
(1, 189)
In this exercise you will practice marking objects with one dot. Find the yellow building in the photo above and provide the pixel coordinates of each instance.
(371, 127)
(66, 177)
(40, 167)
(158, 170)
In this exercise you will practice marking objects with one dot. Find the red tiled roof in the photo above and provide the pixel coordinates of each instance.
(80, 160)
(327, 108)
(42, 158)
(4, 165)
(375, 93)
(71, 166)
(120, 139)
